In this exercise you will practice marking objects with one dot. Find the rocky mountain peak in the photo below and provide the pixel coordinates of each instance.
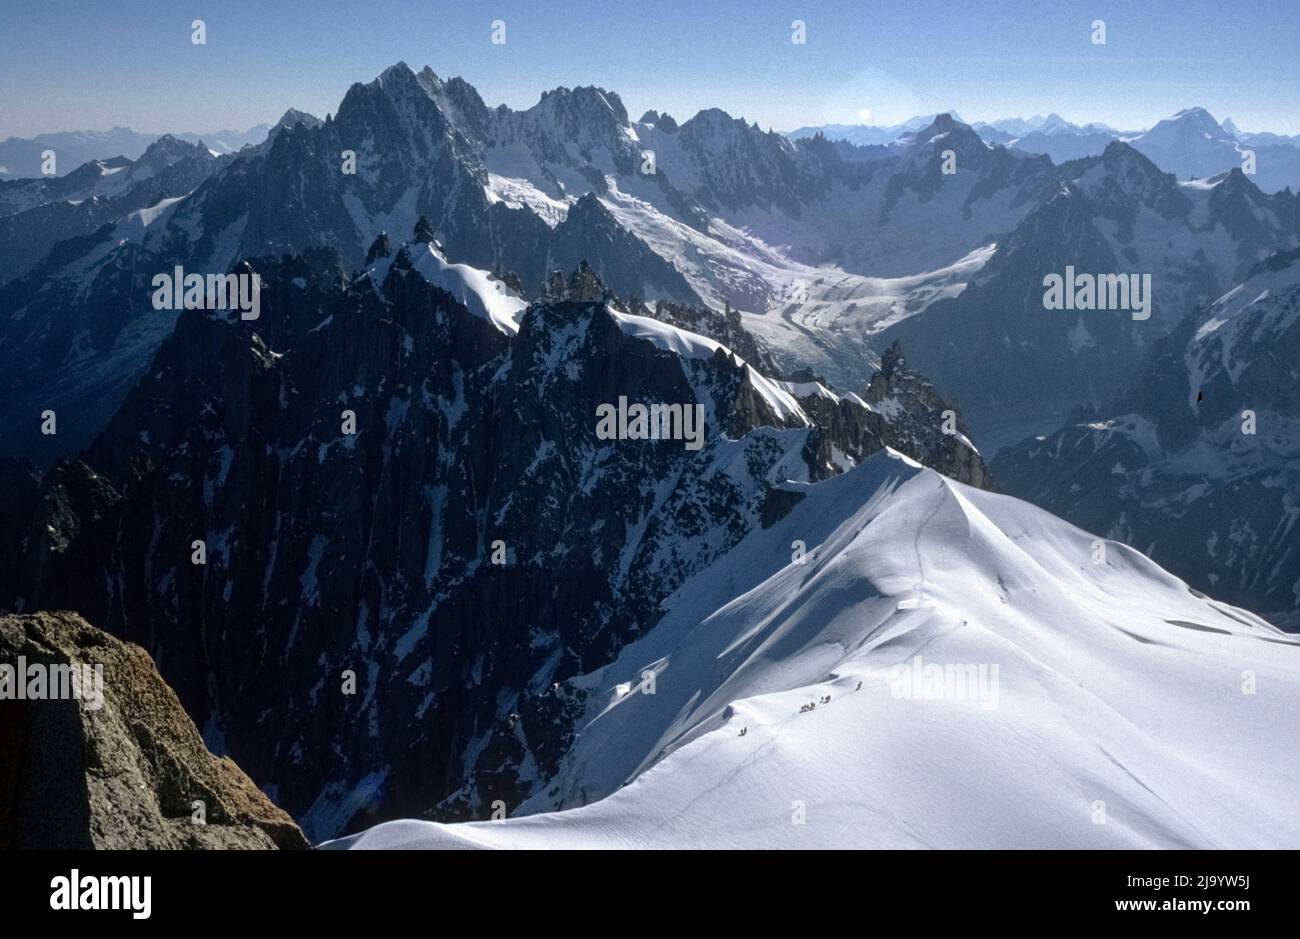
(924, 423)
(582, 285)
(1125, 170)
(429, 80)
(1052, 122)
(715, 122)
(921, 148)
(167, 150)
(379, 248)
(399, 73)
(894, 378)
(584, 107)
(942, 124)
(399, 109)
(293, 117)
(946, 126)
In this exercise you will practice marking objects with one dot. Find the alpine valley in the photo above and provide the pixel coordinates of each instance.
(381, 545)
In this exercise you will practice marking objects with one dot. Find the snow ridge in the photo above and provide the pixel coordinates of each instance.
(777, 718)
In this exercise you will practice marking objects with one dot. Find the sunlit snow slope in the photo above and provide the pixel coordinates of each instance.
(1119, 714)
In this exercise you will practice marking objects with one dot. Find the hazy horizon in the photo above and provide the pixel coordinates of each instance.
(66, 69)
(271, 120)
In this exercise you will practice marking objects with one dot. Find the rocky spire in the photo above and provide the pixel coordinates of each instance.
(891, 359)
(553, 289)
(379, 248)
(585, 285)
(424, 232)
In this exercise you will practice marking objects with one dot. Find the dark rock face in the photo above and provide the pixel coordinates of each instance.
(380, 248)
(383, 617)
(916, 414)
(589, 234)
(900, 409)
(124, 774)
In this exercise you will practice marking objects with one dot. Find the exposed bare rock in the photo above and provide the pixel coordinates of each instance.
(125, 774)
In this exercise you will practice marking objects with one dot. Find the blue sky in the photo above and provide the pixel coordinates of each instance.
(93, 65)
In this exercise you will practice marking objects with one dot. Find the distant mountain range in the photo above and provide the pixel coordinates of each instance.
(20, 157)
(821, 245)
(35, 214)
(865, 135)
(1190, 144)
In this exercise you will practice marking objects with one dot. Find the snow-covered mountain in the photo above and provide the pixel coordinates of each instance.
(824, 241)
(471, 544)
(36, 214)
(946, 668)
(828, 251)
(1254, 138)
(1020, 368)
(1192, 145)
(102, 179)
(1170, 467)
(398, 479)
(1039, 123)
(1056, 138)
